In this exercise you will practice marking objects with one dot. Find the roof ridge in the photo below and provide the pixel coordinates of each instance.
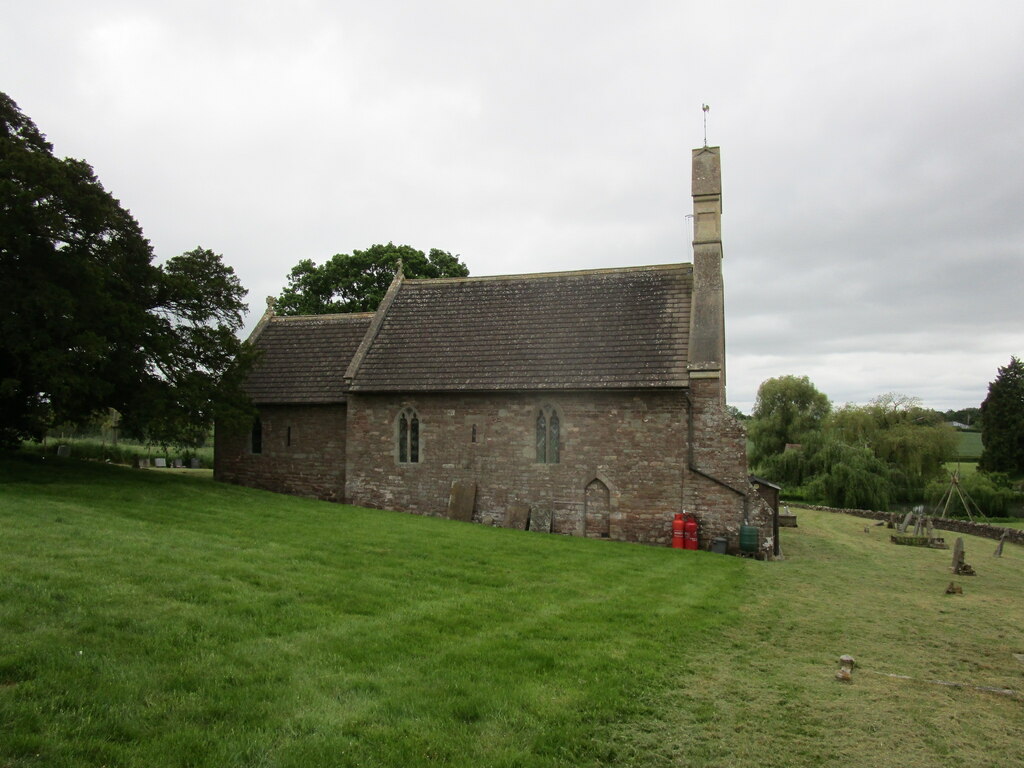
(326, 316)
(683, 265)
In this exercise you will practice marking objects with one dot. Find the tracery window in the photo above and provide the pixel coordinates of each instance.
(547, 435)
(408, 437)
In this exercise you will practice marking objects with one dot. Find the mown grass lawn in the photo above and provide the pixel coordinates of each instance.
(156, 620)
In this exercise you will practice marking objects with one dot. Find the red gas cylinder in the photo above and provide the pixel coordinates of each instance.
(677, 532)
(690, 533)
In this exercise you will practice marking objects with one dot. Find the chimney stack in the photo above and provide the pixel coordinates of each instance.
(707, 318)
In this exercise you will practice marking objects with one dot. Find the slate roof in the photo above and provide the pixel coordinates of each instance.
(304, 358)
(596, 329)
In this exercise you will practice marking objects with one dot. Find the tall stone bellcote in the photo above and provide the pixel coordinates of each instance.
(707, 318)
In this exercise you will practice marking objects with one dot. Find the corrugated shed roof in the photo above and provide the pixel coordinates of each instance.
(304, 358)
(596, 329)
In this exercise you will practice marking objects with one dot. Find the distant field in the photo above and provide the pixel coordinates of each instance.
(148, 619)
(963, 467)
(970, 445)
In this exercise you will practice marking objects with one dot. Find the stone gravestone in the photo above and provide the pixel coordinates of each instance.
(64, 451)
(193, 464)
(461, 501)
(999, 549)
(959, 566)
(958, 555)
(905, 523)
(540, 520)
(517, 516)
(177, 464)
(159, 462)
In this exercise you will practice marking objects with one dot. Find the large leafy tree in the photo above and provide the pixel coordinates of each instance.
(87, 320)
(867, 456)
(788, 409)
(357, 281)
(1002, 421)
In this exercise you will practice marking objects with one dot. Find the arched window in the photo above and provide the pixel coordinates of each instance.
(547, 436)
(256, 438)
(408, 437)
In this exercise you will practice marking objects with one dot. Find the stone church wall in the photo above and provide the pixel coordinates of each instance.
(303, 452)
(718, 488)
(621, 456)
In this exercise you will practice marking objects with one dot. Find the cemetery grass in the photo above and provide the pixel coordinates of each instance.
(148, 620)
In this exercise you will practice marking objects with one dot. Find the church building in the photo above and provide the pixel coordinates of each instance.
(587, 403)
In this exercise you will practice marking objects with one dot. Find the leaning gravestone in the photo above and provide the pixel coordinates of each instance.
(540, 520)
(461, 501)
(999, 549)
(959, 566)
(517, 516)
(905, 523)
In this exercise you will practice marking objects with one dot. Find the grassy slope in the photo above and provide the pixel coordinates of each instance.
(152, 620)
(155, 620)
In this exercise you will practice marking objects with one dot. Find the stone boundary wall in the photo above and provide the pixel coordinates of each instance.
(1013, 535)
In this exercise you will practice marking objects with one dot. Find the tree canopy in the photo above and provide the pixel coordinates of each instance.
(787, 410)
(357, 281)
(857, 456)
(1002, 421)
(88, 321)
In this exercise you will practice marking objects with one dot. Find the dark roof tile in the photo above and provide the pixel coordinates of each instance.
(598, 329)
(304, 358)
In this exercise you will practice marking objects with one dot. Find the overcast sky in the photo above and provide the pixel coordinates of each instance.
(872, 153)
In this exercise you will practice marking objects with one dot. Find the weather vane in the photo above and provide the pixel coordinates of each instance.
(706, 109)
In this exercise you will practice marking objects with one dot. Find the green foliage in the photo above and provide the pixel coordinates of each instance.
(123, 452)
(990, 491)
(850, 477)
(1002, 430)
(357, 282)
(88, 321)
(868, 456)
(969, 446)
(788, 409)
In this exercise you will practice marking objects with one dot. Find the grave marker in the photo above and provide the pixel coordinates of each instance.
(461, 501)
(517, 516)
(540, 520)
